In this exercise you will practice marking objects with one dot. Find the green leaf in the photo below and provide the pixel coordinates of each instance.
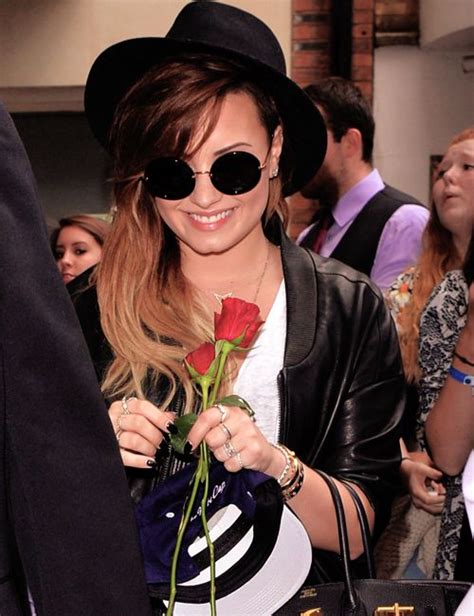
(184, 425)
(234, 400)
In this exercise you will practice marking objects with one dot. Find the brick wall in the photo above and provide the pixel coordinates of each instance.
(311, 61)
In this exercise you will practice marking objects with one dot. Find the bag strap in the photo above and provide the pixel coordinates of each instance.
(351, 600)
(364, 529)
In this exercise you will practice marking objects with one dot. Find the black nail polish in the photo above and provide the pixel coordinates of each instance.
(166, 436)
(172, 429)
(187, 448)
(151, 463)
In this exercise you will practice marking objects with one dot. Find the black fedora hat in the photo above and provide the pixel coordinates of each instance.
(226, 31)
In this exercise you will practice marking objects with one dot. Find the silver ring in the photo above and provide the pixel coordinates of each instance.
(124, 403)
(118, 434)
(230, 450)
(239, 459)
(119, 421)
(226, 431)
(222, 411)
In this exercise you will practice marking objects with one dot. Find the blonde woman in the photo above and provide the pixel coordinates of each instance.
(208, 135)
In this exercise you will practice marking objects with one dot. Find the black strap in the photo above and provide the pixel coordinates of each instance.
(365, 530)
(351, 600)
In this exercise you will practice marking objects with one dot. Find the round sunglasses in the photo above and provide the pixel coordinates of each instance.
(234, 173)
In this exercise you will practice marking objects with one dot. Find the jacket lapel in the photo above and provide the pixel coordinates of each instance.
(301, 295)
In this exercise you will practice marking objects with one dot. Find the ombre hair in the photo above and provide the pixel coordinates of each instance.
(151, 315)
(438, 256)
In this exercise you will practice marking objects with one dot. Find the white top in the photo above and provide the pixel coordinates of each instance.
(467, 606)
(257, 378)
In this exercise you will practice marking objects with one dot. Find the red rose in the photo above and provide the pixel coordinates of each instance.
(202, 358)
(238, 322)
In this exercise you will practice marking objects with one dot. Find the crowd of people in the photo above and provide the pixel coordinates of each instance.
(362, 366)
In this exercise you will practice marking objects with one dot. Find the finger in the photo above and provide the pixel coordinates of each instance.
(431, 472)
(136, 443)
(142, 426)
(207, 420)
(430, 499)
(236, 463)
(137, 461)
(219, 435)
(161, 419)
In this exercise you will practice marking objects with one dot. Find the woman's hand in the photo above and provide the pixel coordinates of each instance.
(236, 441)
(140, 428)
(423, 482)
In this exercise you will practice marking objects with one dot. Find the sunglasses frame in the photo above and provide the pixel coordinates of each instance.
(145, 178)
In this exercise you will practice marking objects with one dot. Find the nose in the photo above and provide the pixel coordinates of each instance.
(450, 175)
(205, 194)
(65, 261)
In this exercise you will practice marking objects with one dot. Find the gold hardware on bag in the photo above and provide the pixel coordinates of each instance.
(308, 592)
(312, 612)
(395, 610)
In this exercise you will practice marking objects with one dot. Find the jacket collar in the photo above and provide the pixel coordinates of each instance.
(301, 294)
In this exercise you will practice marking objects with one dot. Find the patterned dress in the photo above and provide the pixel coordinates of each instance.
(441, 322)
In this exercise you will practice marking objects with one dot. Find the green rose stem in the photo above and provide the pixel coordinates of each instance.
(200, 475)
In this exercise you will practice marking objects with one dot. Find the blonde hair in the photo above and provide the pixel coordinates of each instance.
(151, 316)
(438, 256)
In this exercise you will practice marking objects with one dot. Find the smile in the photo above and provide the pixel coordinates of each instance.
(213, 218)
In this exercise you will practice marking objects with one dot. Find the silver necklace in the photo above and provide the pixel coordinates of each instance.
(221, 297)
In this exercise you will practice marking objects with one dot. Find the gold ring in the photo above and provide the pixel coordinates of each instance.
(222, 411)
(230, 450)
(226, 431)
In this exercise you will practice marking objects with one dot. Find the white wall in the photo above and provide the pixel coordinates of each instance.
(421, 99)
(51, 44)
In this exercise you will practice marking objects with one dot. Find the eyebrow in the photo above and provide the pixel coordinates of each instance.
(73, 244)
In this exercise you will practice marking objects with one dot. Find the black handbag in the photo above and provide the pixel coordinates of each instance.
(371, 597)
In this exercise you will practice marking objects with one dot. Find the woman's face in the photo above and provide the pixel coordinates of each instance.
(209, 221)
(76, 251)
(453, 190)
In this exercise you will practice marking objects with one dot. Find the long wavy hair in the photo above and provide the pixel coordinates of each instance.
(150, 314)
(438, 256)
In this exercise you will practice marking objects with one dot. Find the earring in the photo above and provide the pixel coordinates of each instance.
(275, 172)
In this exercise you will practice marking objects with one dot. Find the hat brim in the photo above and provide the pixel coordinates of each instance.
(120, 66)
(272, 585)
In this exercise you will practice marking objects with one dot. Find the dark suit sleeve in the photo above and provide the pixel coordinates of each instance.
(64, 500)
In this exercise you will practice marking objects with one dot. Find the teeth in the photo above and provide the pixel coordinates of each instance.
(210, 219)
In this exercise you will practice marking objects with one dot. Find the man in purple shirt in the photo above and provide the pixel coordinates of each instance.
(362, 222)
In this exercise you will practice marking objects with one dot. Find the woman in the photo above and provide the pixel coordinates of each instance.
(77, 244)
(207, 137)
(446, 241)
(446, 351)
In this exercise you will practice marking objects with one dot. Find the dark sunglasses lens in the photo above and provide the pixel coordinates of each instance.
(236, 173)
(169, 178)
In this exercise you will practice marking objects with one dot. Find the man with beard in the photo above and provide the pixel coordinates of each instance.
(361, 221)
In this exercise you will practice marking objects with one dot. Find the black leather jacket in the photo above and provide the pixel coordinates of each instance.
(342, 386)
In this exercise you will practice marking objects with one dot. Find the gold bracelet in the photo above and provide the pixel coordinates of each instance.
(292, 490)
(290, 463)
(286, 452)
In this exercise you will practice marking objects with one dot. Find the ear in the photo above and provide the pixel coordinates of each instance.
(275, 151)
(352, 142)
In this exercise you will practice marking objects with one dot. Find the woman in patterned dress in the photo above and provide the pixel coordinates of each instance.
(445, 245)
